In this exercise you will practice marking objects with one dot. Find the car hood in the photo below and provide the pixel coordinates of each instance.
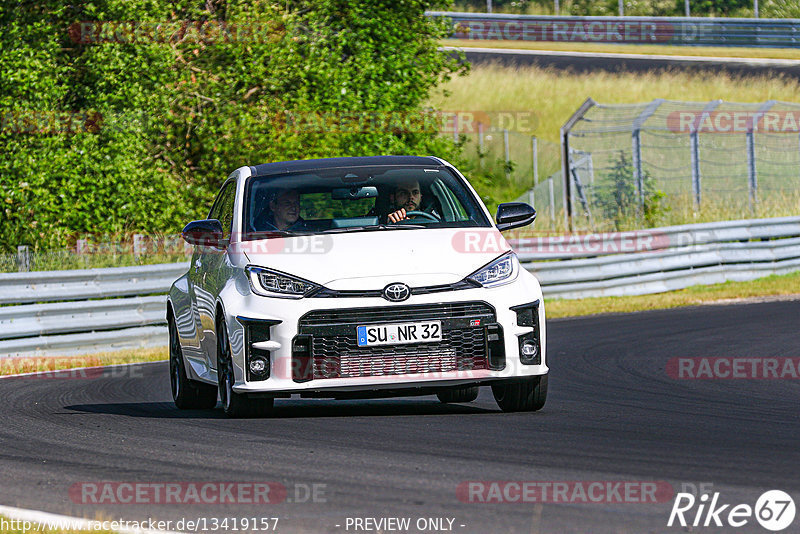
(372, 260)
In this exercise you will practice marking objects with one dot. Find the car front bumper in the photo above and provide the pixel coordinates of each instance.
(284, 316)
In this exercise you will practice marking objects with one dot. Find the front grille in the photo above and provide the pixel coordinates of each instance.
(333, 351)
(420, 312)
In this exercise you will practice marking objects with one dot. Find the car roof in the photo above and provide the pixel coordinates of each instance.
(280, 167)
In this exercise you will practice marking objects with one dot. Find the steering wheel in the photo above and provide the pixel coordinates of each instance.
(422, 214)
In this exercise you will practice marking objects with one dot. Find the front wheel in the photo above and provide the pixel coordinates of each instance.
(235, 404)
(186, 394)
(521, 395)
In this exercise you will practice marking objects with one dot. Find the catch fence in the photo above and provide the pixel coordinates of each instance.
(665, 162)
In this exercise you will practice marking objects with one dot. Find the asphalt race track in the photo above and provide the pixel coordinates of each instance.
(587, 62)
(613, 414)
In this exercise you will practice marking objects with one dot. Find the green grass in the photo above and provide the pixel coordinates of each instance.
(32, 364)
(20, 530)
(768, 286)
(59, 260)
(554, 95)
(667, 50)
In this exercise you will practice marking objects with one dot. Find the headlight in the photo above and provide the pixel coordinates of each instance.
(501, 271)
(276, 284)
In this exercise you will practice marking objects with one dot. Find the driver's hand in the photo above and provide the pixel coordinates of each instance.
(398, 216)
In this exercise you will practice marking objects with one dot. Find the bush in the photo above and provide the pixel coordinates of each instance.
(619, 200)
(161, 124)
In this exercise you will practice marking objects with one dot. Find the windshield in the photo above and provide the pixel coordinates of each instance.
(353, 199)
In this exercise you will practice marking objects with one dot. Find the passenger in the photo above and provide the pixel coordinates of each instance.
(283, 212)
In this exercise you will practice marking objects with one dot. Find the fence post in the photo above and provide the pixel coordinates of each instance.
(455, 127)
(637, 167)
(552, 203)
(23, 259)
(507, 152)
(752, 178)
(752, 175)
(82, 246)
(695, 149)
(636, 140)
(565, 159)
(480, 145)
(138, 246)
(535, 150)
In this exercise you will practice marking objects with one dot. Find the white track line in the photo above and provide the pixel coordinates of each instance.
(41, 519)
(754, 62)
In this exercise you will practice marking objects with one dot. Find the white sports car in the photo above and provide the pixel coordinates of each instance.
(354, 278)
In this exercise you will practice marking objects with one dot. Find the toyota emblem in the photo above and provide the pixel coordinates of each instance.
(396, 292)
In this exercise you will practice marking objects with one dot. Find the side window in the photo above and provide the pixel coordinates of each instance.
(223, 209)
(451, 207)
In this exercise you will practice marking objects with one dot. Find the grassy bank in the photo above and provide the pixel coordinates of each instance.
(666, 50)
(33, 364)
(17, 526)
(554, 95)
(769, 286)
(548, 97)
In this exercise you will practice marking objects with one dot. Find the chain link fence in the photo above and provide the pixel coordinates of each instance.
(665, 162)
(124, 251)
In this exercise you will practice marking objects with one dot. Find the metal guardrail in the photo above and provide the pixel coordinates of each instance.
(687, 31)
(576, 266)
(129, 314)
(43, 286)
(661, 259)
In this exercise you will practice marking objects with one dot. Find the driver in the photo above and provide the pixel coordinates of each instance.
(406, 197)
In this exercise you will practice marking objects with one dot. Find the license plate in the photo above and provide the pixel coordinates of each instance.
(399, 334)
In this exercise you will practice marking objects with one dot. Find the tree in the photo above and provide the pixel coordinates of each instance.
(618, 197)
(173, 110)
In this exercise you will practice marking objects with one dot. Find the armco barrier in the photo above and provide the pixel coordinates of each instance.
(52, 313)
(661, 259)
(691, 31)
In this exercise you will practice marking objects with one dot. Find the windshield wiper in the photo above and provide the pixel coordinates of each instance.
(372, 228)
(273, 233)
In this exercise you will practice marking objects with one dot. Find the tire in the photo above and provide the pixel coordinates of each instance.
(465, 394)
(186, 394)
(234, 404)
(525, 395)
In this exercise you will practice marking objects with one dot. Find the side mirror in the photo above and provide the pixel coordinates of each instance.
(205, 233)
(513, 215)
